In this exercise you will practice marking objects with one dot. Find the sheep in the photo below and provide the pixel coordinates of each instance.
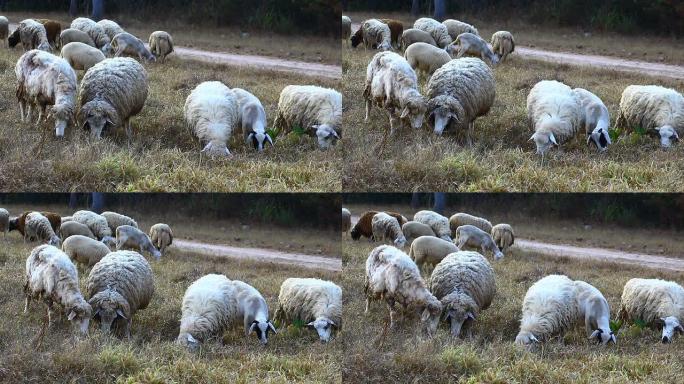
(5, 221)
(387, 227)
(115, 220)
(653, 108)
(393, 277)
(392, 84)
(357, 38)
(503, 236)
(318, 303)
(458, 219)
(131, 237)
(44, 79)
(555, 303)
(657, 303)
(437, 30)
(84, 250)
(364, 227)
(96, 223)
(595, 118)
(503, 44)
(474, 237)
(111, 28)
(96, 32)
(438, 223)
(376, 34)
(14, 38)
(161, 236)
(412, 35)
(71, 35)
(430, 250)
(81, 56)
(53, 30)
(161, 44)
(4, 29)
(458, 93)
(213, 303)
(555, 112)
(346, 220)
(118, 286)
(52, 277)
(252, 119)
(19, 223)
(455, 28)
(127, 44)
(33, 35)
(38, 228)
(346, 28)
(396, 30)
(426, 57)
(472, 45)
(464, 283)
(211, 112)
(413, 230)
(111, 93)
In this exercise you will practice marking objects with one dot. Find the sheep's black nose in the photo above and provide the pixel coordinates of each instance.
(666, 340)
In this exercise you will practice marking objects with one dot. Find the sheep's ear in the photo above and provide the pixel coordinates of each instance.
(252, 327)
(71, 315)
(531, 137)
(120, 313)
(613, 338)
(96, 313)
(553, 139)
(660, 322)
(679, 329)
(470, 316)
(110, 122)
(250, 137)
(596, 334)
(405, 113)
(426, 314)
(192, 339)
(311, 324)
(270, 325)
(533, 338)
(207, 148)
(332, 323)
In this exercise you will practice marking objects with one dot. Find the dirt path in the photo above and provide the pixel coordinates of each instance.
(259, 254)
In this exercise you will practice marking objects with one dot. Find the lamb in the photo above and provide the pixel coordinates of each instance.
(346, 220)
(657, 109)
(438, 223)
(474, 237)
(503, 44)
(161, 44)
(131, 237)
(19, 223)
(84, 250)
(430, 250)
(111, 93)
(4, 29)
(315, 109)
(555, 303)
(658, 303)
(118, 286)
(393, 277)
(96, 32)
(376, 34)
(115, 220)
(213, 303)
(316, 302)
(464, 283)
(364, 227)
(53, 30)
(111, 28)
(555, 112)
(71, 35)
(387, 227)
(5, 221)
(81, 56)
(211, 112)
(413, 230)
(161, 236)
(38, 228)
(252, 119)
(503, 236)
(392, 84)
(52, 278)
(458, 93)
(426, 57)
(33, 35)
(458, 219)
(437, 30)
(96, 223)
(473, 45)
(595, 119)
(455, 28)
(346, 28)
(44, 79)
(127, 44)
(413, 35)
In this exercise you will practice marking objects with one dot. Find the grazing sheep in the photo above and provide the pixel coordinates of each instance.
(458, 219)
(438, 223)
(437, 30)
(503, 236)
(213, 303)
(555, 112)
(4, 29)
(51, 277)
(346, 28)
(430, 250)
(129, 45)
(111, 93)
(131, 237)
(19, 223)
(503, 44)
(14, 38)
(391, 84)
(555, 304)
(387, 227)
(118, 286)
(357, 38)
(346, 220)
(161, 236)
(392, 276)
(115, 220)
(315, 109)
(412, 35)
(33, 35)
(653, 108)
(376, 34)
(396, 30)
(318, 303)
(455, 28)
(364, 227)
(53, 30)
(426, 57)
(72, 228)
(96, 32)
(81, 56)
(252, 119)
(5, 221)
(655, 302)
(413, 230)
(75, 36)
(472, 45)
(161, 44)
(84, 250)
(464, 282)
(111, 28)
(211, 112)
(96, 223)
(595, 119)
(473, 237)
(38, 228)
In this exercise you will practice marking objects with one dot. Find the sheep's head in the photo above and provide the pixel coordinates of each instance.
(525, 338)
(670, 325)
(668, 136)
(186, 339)
(79, 316)
(14, 38)
(55, 241)
(96, 115)
(459, 309)
(384, 46)
(152, 249)
(109, 241)
(216, 149)
(45, 46)
(325, 135)
(600, 138)
(324, 327)
(414, 110)
(355, 233)
(13, 224)
(356, 39)
(400, 242)
(109, 306)
(262, 328)
(107, 50)
(443, 110)
(544, 138)
(430, 315)
(259, 140)
(62, 113)
(603, 336)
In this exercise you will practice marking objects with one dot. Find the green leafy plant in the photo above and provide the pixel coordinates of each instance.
(615, 325)
(639, 130)
(299, 324)
(299, 131)
(640, 324)
(614, 134)
(273, 133)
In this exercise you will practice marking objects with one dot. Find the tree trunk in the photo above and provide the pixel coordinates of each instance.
(440, 203)
(345, 5)
(415, 200)
(73, 200)
(73, 8)
(98, 202)
(98, 10)
(440, 10)
(415, 8)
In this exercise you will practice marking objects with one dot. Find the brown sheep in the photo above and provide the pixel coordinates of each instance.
(357, 38)
(53, 29)
(364, 226)
(396, 30)
(18, 223)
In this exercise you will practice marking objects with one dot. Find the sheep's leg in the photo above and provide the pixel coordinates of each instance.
(129, 132)
(471, 127)
(367, 305)
(369, 104)
(120, 242)
(392, 312)
(49, 312)
(394, 120)
(26, 304)
(22, 105)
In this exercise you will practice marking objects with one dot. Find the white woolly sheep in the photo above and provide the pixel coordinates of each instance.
(5, 219)
(438, 223)
(430, 250)
(555, 113)
(111, 93)
(38, 227)
(503, 236)
(318, 303)
(84, 250)
(252, 119)
(595, 119)
(413, 230)
(118, 286)
(51, 277)
(132, 238)
(111, 28)
(473, 237)
(211, 112)
(81, 56)
(412, 35)
(455, 28)
(387, 227)
(392, 84)
(346, 220)
(96, 223)
(464, 282)
(503, 44)
(4, 29)
(472, 45)
(72, 228)
(376, 34)
(392, 276)
(33, 36)
(426, 57)
(653, 108)
(161, 236)
(437, 30)
(129, 45)
(346, 28)
(115, 220)
(75, 36)
(461, 218)
(554, 304)
(213, 303)
(96, 32)
(658, 303)
(161, 44)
